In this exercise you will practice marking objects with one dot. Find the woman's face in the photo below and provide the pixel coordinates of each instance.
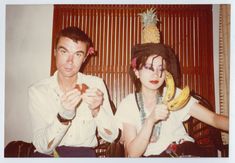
(152, 74)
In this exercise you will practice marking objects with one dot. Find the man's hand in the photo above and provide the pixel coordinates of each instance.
(94, 98)
(71, 99)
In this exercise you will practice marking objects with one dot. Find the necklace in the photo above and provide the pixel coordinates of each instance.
(157, 127)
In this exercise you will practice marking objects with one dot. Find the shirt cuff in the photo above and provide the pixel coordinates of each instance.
(107, 129)
(66, 114)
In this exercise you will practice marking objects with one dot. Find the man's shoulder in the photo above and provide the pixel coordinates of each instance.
(42, 84)
(91, 77)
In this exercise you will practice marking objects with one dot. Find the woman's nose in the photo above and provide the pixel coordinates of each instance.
(158, 72)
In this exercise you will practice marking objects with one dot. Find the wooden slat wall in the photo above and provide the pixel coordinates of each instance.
(114, 29)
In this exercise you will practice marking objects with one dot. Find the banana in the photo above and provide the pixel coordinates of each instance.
(180, 101)
(170, 86)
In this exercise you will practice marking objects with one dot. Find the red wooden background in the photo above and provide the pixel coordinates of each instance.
(114, 29)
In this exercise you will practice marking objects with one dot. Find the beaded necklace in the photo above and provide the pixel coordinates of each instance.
(140, 104)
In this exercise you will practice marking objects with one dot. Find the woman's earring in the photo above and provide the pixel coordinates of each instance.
(137, 73)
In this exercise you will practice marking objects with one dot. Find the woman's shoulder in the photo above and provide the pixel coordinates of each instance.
(130, 98)
(127, 110)
(127, 102)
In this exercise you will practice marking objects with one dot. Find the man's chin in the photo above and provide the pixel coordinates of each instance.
(69, 74)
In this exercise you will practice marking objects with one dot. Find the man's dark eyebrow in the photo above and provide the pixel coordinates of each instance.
(80, 51)
(62, 47)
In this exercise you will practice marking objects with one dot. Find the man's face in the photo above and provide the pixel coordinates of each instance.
(69, 56)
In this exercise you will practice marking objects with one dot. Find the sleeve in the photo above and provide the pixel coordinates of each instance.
(106, 125)
(47, 130)
(183, 114)
(126, 112)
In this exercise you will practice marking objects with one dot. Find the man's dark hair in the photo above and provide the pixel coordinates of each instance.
(74, 33)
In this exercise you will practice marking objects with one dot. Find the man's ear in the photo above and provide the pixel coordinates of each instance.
(84, 58)
(54, 52)
(137, 74)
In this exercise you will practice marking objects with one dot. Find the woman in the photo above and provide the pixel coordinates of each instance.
(149, 129)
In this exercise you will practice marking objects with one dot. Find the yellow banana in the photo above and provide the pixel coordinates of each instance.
(170, 87)
(180, 101)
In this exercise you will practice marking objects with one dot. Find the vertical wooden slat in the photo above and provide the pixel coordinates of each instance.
(189, 50)
(120, 54)
(210, 58)
(200, 53)
(108, 42)
(176, 48)
(65, 18)
(129, 26)
(164, 27)
(116, 53)
(196, 78)
(72, 16)
(183, 40)
(203, 45)
(112, 16)
(173, 31)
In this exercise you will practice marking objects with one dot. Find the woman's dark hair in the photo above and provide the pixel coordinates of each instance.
(140, 54)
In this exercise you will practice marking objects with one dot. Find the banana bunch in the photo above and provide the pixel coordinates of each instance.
(181, 100)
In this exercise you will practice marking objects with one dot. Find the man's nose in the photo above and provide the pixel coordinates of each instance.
(70, 58)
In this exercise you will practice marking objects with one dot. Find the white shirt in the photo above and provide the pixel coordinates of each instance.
(44, 105)
(171, 130)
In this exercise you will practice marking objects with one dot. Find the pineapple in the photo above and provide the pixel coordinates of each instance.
(150, 32)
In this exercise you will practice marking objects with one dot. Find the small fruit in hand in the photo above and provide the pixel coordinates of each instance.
(81, 87)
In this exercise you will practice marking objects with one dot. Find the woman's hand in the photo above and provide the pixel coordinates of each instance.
(159, 113)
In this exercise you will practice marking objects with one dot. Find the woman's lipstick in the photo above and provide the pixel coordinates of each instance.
(154, 81)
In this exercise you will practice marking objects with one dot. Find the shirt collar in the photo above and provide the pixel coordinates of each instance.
(55, 84)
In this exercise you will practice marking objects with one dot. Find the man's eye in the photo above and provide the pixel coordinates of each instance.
(79, 54)
(62, 52)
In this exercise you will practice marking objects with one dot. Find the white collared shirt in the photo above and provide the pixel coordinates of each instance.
(44, 105)
(171, 130)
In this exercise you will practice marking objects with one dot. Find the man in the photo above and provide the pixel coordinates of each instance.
(64, 118)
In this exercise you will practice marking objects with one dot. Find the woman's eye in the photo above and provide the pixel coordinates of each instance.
(161, 69)
(149, 67)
